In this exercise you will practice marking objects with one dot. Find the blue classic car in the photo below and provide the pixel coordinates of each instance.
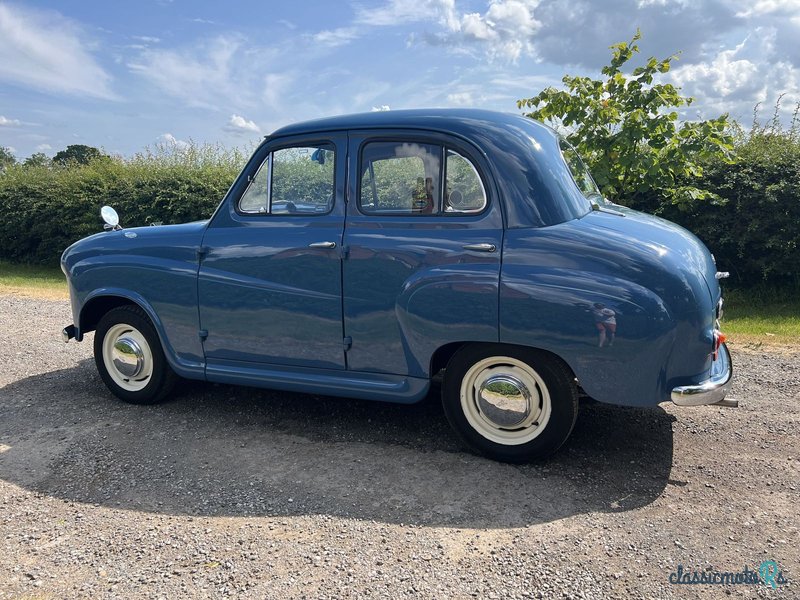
(364, 255)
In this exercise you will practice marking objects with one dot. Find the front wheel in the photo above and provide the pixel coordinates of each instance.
(508, 403)
(129, 357)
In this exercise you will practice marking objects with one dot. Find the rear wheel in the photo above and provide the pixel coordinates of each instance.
(508, 403)
(129, 357)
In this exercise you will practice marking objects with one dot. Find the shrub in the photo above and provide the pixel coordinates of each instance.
(43, 209)
(754, 230)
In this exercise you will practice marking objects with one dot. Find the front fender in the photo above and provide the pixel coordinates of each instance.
(101, 298)
(155, 268)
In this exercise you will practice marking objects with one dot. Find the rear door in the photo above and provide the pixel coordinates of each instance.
(423, 242)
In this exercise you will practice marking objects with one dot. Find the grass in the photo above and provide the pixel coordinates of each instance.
(752, 317)
(762, 316)
(32, 280)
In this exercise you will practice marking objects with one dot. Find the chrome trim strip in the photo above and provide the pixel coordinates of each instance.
(713, 389)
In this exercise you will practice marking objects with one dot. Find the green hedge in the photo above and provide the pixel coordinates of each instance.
(44, 209)
(754, 232)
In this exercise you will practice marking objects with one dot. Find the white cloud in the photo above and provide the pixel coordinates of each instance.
(170, 140)
(769, 7)
(461, 99)
(225, 73)
(397, 12)
(43, 148)
(205, 76)
(6, 122)
(274, 90)
(335, 37)
(381, 108)
(240, 125)
(506, 29)
(46, 52)
(147, 39)
(734, 80)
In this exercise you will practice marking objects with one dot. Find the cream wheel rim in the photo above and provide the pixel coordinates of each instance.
(127, 357)
(505, 400)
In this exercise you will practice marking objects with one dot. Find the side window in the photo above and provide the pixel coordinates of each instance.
(464, 191)
(400, 178)
(292, 181)
(255, 197)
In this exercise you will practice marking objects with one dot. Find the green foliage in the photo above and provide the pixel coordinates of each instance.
(44, 209)
(77, 153)
(7, 158)
(38, 159)
(298, 179)
(754, 232)
(626, 127)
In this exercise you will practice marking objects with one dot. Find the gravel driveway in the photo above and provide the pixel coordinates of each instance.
(247, 493)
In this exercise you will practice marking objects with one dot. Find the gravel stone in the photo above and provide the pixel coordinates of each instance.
(229, 492)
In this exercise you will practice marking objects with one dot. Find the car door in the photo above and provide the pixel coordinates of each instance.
(423, 242)
(270, 276)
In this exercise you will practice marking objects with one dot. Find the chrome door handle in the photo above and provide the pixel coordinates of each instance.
(322, 245)
(481, 247)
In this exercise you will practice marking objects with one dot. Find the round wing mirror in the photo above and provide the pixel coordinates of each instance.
(110, 216)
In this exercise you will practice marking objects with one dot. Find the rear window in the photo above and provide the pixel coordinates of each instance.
(580, 172)
(412, 178)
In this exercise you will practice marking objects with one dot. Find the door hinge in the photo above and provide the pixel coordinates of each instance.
(347, 343)
(203, 334)
(345, 250)
(202, 252)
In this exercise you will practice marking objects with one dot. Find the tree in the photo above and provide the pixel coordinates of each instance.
(38, 159)
(77, 153)
(627, 128)
(7, 158)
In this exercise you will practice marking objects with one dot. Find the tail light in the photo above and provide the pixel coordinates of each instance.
(719, 339)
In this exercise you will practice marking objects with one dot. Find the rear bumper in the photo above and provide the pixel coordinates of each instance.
(713, 389)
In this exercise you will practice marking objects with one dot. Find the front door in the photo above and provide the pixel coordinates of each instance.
(270, 287)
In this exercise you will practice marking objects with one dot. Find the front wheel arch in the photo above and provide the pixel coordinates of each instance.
(95, 308)
(130, 358)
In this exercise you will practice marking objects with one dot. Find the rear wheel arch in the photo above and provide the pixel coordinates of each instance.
(529, 420)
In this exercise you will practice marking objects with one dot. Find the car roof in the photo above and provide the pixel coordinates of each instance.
(455, 120)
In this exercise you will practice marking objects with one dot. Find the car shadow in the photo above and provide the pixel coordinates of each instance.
(227, 451)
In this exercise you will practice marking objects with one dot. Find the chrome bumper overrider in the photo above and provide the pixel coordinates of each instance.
(713, 389)
(68, 333)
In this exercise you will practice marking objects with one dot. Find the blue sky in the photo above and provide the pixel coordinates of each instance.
(123, 76)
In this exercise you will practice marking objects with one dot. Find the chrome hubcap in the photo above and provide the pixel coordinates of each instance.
(127, 357)
(504, 401)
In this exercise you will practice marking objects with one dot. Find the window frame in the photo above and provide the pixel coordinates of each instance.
(475, 170)
(443, 147)
(325, 145)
